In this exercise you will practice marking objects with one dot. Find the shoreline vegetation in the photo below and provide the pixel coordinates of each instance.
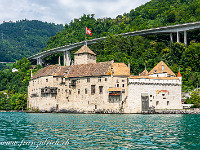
(164, 111)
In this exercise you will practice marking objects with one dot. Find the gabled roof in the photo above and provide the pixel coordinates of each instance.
(47, 71)
(121, 69)
(159, 69)
(144, 73)
(83, 50)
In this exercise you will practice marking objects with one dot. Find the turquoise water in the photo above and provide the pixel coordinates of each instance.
(98, 131)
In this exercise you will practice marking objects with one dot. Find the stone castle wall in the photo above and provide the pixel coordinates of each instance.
(162, 94)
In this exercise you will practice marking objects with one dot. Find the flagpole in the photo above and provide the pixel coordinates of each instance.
(85, 37)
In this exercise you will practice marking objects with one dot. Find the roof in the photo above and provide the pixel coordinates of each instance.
(159, 69)
(157, 78)
(61, 70)
(92, 69)
(179, 74)
(121, 69)
(144, 73)
(47, 71)
(83, 50)
(84, 70)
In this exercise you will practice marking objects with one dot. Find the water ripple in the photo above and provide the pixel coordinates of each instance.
(98, 131)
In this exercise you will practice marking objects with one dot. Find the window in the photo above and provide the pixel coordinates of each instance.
(56, 79)
(46, 80)
(88, 79)
(157, 102)
(99, 79)
(163, 94)
(92, 89)
(167, 102)
(162, 67)
(70, 92)
(123, 90)
(123, 80)
(100, 89)
(85, 90)
(95, 106)
(106, 79)
(122, 85)
(79, 91)
(150, 95)
(117, 85)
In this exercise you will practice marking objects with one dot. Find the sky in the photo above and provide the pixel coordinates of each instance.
(63, 11)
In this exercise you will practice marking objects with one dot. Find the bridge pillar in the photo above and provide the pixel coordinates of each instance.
(178, 37)
(67, 58)
(171, 37)
(185, 37)
(39, 61)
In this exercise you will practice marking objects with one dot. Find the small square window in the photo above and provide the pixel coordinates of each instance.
(79, 91)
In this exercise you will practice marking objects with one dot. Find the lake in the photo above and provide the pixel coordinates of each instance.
(99, 131)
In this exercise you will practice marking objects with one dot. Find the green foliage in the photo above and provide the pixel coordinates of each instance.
(15, 85)
(24, 38)
(194, 99)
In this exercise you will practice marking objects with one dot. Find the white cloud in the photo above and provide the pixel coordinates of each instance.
(63, 11)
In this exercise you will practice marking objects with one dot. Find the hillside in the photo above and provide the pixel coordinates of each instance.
(155, 13)
(24, 38)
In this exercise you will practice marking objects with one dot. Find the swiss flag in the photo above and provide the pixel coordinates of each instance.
(88, 31)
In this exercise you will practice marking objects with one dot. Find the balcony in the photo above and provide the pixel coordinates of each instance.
(49, 90)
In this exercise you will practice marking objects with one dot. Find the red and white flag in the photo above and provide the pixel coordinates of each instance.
(88, 31)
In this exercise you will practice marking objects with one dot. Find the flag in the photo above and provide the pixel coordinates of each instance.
(88, 31)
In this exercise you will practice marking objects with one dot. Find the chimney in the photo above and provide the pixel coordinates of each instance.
(59, 60)
(129, 65)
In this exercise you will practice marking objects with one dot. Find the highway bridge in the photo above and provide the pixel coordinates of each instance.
(177, 29)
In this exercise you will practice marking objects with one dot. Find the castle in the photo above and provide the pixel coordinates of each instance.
(106, 87)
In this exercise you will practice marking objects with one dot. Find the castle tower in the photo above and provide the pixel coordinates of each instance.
(84, 56)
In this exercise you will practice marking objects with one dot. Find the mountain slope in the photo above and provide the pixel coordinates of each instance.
(24, 38)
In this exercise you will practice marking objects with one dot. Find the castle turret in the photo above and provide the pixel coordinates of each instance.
(84, 56)
(179, 75)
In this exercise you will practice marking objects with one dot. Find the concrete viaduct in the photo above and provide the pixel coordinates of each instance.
(67, 48)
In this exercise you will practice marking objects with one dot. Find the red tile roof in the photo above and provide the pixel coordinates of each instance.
(47, 71)
(144, 73)
(92, 69)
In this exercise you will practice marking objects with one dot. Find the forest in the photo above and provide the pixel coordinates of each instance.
(24, 38)
(139, 51)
